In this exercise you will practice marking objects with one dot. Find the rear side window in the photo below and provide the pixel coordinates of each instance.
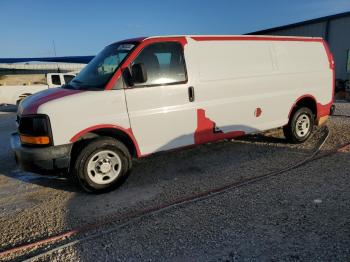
(56, 79)
(68, 78)
(164, 63)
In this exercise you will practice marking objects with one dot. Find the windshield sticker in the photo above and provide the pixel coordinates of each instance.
(126, 47)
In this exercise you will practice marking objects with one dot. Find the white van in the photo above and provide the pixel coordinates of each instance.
(146, 95)
(14, 94)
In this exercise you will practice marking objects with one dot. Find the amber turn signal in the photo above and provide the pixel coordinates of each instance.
(35, 140)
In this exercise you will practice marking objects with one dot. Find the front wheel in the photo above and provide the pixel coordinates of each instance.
(102, 164)
(300, 125)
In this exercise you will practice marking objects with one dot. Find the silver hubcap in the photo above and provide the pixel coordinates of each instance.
(303, 125)
(104, 167)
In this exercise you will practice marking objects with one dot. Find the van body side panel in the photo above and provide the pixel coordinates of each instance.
(252, 85)
(307, 67)
(232, 82)
(85, 110)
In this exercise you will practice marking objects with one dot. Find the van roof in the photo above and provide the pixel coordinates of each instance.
(233, 36)
(228, 37)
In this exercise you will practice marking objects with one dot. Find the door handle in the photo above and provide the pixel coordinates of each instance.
(191, 94)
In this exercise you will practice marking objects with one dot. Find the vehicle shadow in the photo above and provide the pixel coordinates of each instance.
(264, 139)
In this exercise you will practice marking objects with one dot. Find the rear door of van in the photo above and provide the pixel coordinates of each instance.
(161, 114)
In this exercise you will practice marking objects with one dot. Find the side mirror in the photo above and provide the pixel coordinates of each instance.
(139, 74)
(127, 77)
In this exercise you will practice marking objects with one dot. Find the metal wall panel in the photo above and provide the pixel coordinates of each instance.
(338, 38)
(339, 41)
(316, 30)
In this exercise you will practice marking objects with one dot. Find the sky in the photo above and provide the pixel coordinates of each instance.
(28, 28)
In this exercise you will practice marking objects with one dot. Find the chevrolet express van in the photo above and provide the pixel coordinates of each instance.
(145, 95)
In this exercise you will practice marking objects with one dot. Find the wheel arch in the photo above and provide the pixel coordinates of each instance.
(123, 135)
(308, 101)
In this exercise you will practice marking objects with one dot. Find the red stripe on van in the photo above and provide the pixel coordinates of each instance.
(329, 55)
(133, 55)
(31, 104)
(127, 131)
(322, 109)
(205, 131)
(331, 66)
(254, 38)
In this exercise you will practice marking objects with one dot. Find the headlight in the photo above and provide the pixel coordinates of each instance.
(35, 130)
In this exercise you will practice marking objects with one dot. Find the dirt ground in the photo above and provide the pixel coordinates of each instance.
(299, 215)
(29, 79)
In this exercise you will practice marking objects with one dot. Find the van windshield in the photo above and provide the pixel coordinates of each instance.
(96, 74)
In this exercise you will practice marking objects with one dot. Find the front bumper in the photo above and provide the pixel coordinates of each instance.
(41, 160)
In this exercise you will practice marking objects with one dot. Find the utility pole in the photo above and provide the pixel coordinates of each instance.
(54, 51)
(54, 47)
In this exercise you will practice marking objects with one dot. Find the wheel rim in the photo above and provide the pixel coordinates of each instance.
(104, 167)
(303, 125)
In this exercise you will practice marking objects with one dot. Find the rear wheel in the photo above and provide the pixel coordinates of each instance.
(102, 164)
(300, 125)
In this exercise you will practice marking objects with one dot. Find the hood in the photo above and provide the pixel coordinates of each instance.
(31, 104)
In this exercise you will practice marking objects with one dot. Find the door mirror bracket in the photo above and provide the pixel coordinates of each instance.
(128, 80)
(139, 74)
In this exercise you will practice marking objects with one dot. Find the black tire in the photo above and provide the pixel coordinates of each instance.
(93, 147)
(291, 131)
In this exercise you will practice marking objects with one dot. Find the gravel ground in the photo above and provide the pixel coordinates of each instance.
(342, 108)
(302, 214)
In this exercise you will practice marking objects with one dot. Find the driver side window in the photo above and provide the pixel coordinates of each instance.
(164, 63)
